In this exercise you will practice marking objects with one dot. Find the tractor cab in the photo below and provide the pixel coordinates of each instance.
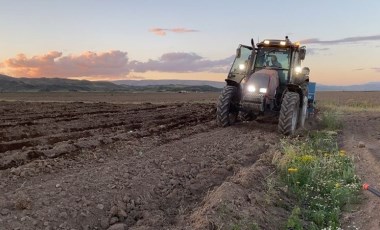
(280, 55)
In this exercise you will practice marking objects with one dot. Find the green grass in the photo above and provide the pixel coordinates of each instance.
(330, 120)
(350, 106)
(320, 175)
(294, 221)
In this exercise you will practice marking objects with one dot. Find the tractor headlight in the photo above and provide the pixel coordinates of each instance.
(242, 67)
(263, 90)
(251, 88)
(298, 69)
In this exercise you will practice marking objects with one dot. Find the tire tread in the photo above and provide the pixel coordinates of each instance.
(291, 99)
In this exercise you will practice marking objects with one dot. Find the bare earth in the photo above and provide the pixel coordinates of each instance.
(121, 162)
(364, 127)
(116, 97)
(142, 166)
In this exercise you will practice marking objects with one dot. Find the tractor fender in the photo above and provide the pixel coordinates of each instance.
(297, 89)
(237, 85)
(232, 83)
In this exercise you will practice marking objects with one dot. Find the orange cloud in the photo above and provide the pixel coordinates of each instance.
(162, 32)
(158, 31)
(108, 65)
(53, 64)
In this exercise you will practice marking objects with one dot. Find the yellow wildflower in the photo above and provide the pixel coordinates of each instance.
(292, 170)
(307, 158)
(337, 185)
(342, 153)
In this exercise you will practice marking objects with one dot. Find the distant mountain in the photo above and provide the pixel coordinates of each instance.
(172, 88)
(10, 84)
(370, 86)
(216, 84)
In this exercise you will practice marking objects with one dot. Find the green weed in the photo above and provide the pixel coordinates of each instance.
(294, 221)
(330, 120)
(320, 175)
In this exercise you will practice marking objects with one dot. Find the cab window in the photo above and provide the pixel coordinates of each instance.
(264, 58)
(241, 64)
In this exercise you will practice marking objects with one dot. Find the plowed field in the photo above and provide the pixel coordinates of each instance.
(148, 161)
(76, 165)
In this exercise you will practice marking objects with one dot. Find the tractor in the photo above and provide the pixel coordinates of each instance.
(268, 80)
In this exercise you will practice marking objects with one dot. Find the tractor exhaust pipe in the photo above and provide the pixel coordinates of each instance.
(373, 190)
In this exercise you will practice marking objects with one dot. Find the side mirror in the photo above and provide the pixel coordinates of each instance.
(305, 71)
(302, 53)
(238, 52)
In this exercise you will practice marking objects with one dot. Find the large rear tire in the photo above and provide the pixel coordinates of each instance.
(289, 113)
(227, 107)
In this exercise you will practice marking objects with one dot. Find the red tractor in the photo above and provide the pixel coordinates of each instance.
(268, 79)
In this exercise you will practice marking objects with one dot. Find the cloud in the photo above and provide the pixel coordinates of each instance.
(340, 41)
(54, 64)
(162, 32)
(314, 51)
(108, 65)
(182, 62)
(376, 69)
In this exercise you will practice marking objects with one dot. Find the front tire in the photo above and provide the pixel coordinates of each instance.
(227, 107)
(289, 112)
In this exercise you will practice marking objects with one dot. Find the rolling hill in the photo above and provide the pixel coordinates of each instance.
(216, 84)
(370, 86)
(10, 84)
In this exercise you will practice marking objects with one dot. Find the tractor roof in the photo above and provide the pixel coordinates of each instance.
(286, 43)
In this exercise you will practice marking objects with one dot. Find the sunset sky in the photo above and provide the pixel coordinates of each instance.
(171, 39)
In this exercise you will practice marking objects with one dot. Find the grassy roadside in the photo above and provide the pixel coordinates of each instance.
(319, 174)
(350, 106)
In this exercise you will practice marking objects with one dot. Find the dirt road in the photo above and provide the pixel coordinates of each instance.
(361, 139)
(142, 166)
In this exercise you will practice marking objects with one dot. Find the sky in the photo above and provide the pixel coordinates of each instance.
(196, 40)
